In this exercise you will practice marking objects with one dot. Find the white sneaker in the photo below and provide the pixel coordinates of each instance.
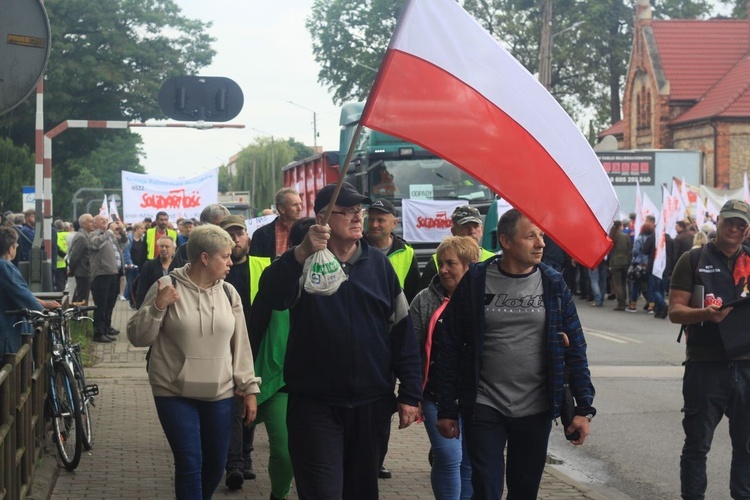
(120, 297)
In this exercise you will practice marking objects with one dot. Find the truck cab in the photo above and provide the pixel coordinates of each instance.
(384, 166)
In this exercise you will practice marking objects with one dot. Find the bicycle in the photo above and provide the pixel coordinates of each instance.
(69, 397)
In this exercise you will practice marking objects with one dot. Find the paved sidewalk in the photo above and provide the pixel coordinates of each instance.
(131, 458)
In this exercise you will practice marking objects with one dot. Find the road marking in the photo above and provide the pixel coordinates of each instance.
(612, 337)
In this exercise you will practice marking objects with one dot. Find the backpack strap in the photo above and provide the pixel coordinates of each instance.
(694, 255)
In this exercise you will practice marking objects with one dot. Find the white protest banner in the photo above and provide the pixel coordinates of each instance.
(253, 225)
(145, 195)
(427, 221)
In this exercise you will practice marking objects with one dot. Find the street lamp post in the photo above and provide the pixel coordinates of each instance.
(315, 122)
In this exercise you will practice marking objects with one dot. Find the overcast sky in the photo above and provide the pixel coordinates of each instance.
(266, 49)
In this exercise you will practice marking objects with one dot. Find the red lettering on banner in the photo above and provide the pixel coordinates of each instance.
(434, 222)
(176, 199)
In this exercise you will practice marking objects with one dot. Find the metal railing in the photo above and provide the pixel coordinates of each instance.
(23, 391)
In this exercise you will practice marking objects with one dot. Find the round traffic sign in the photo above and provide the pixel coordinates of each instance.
(24, 49)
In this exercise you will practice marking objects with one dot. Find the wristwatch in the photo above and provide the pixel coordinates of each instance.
(589, 416)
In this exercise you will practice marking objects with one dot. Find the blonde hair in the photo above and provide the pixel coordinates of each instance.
(207, 238)
(700, 239)
(466, 248)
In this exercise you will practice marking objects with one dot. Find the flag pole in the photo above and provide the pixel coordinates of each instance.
(342, 174)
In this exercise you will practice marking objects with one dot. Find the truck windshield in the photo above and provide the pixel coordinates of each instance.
(424, 178)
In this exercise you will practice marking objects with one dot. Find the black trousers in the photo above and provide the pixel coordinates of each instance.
(336, 450)
(104, 288)
(83, 288)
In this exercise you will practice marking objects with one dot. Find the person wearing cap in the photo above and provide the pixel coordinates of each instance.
(382, 219)
(343, 355)
(466, 222)
(186, 227)
(273, 238)
(715, 383)
(244, 275)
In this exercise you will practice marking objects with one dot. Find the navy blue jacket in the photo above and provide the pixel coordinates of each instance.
(345, 349)
(455, 374)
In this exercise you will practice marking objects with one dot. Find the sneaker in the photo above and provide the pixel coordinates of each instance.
(122, 298)
(594, 304)
(234, 479)
(631, 309)
(247, 471)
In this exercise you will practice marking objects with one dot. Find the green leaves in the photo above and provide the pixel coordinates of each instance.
(108, 61)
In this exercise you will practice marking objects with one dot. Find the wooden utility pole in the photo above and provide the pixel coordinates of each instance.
(545, 46)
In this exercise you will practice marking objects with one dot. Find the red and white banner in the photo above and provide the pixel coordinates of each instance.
(145, 195)
(427, 221)
(447, 85)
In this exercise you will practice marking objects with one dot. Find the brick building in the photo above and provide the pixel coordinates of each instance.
(688, 87)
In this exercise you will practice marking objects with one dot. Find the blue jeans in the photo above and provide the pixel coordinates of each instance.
(198, 434)
(656, 293)
(486, 433)
(599, 277)
(451, 468)
(710, 390)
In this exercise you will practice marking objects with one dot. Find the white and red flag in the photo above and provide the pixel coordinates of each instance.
(447, 85)
(104, 210)
(745, 189)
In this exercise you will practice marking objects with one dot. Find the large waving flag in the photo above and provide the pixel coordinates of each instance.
(447, 85)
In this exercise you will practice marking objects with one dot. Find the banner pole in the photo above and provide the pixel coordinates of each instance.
(342, 174)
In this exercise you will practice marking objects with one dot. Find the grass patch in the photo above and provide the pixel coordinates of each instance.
(82, 332)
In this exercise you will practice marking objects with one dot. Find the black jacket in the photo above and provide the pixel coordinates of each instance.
(150, 273)
(264, 241)
(346, 349)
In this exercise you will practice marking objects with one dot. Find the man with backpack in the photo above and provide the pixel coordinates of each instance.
(717, 374)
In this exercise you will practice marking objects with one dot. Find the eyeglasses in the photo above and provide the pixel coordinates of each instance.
(351, 213)
(736, 223)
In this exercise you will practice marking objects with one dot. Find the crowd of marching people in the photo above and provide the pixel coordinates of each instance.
(626, 275)
(241, 333)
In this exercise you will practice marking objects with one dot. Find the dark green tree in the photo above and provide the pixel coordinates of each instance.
(16, 171)
(259, 169)
(300, 150)
(108, 60)
(589, 63)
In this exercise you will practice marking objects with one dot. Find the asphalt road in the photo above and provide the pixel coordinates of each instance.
(636, 438)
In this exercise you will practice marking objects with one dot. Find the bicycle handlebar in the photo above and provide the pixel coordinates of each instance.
(52, 313)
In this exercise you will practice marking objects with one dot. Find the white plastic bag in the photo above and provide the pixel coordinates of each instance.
(322, 273)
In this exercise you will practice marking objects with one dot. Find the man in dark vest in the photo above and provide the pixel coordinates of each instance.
(717, 375)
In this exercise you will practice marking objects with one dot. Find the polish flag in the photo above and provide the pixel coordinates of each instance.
(448, 86)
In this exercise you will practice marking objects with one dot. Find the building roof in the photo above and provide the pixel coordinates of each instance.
(728, 98)
(617, 130)
(695, 54)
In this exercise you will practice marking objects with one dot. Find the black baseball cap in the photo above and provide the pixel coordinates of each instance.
(384, 206)
(348, 197)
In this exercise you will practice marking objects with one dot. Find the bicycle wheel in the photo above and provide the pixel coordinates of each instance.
(86, 424)
(66, 415)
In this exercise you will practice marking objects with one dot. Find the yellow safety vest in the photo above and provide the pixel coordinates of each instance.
(256, 266)
(62, 244)
(401, 261)
(151, 236)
